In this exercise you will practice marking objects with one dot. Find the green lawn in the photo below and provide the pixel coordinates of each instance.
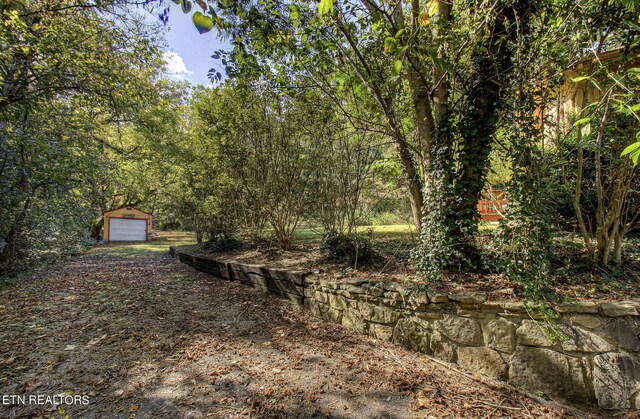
(394, 230)
(182, 238)
(159, 245)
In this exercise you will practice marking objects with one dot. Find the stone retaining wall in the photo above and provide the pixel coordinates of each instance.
(597, 365)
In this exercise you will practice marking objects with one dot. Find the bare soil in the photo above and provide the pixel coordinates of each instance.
(144, 336)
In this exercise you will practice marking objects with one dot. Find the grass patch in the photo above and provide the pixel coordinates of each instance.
(392, 230)
(395, 230)
(159, 245)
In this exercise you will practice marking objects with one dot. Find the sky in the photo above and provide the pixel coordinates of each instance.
(188, 53)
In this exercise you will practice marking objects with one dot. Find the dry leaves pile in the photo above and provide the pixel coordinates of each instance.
(145, 336)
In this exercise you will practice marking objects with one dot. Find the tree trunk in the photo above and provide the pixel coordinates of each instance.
(97, 228)
(617, 244)
(412, 179)
(491, 66)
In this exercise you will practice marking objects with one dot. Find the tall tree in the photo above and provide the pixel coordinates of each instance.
(65, 67)
(443, 63)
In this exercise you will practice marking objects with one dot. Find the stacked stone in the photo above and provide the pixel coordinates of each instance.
(595, 363)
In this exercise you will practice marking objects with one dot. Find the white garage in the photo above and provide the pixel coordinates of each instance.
(127, 224)
(124, 230)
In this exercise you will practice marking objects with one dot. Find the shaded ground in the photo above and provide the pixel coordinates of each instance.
(144, 336)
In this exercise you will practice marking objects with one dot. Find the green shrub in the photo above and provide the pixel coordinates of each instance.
(353, 249)
(222, 245)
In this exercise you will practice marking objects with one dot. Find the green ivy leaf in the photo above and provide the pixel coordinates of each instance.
(397, 67)
(203, 23)
(633, 151)
(325, 6)
(582, 121)
(585, 130)
(390, 44)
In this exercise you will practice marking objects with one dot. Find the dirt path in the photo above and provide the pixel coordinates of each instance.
(143, 336)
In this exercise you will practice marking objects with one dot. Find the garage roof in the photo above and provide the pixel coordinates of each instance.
(126, 208)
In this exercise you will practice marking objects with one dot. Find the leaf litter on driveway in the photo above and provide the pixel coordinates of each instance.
(146, 337)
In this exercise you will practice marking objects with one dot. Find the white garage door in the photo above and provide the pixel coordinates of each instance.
(125, 230)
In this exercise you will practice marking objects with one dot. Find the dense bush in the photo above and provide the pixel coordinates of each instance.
(353, 249)
(51, 228)
(223, 245)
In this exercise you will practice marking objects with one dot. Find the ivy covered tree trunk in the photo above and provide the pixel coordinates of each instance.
(437, 251)
(478, 124)
(524, 237)
(460, 151)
